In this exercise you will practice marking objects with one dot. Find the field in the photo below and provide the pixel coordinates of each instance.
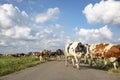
(10, 64)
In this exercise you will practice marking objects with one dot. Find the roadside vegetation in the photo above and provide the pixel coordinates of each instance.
(109, 67)
(9, 64)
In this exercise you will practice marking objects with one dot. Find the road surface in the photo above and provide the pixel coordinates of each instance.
(55, 70)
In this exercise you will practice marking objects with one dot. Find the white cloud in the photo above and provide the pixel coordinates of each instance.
(51, 14)
(118, 39)
(2, 43)
(104, 11)
(52, 37)
(17, 32)
(13, 22)
(95, 35)
(11, 15)
(18, 35)
(24, 14)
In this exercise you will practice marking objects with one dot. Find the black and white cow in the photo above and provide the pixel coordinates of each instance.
(75, 50)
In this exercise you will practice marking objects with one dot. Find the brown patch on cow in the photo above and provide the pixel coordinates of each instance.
(44, 52)
(99, 48)
(113, 52)
(40, 54)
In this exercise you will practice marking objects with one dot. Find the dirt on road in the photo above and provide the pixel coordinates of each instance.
(55, 70)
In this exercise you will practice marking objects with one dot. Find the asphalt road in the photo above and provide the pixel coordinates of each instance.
(58, 71)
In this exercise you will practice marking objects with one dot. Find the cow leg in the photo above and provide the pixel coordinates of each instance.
(73, 62)
(105, 62)
(113, 60)
(86, 59)
(77, 62)
(94, 59)
(58, 57)
(40, 58)
(66, 60)
(115, 65)
(91, 60)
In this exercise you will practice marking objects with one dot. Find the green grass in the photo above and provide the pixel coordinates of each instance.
(113, 71)
(108, 67)
(11, 64)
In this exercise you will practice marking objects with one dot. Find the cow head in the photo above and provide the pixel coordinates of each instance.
(80, 48)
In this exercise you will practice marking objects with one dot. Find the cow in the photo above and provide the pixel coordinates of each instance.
(74, 51)
(18, 55)
(53, 54)
(15, 55)
(59, 54)
(43, 54)
(106, 51)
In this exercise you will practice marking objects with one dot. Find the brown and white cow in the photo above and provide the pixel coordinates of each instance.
(105, 51)
(43, 54)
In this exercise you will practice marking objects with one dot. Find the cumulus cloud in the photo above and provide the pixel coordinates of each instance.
(11, 15)
(47, 37)
(95, 35)
(52, 37)
(51, 14)
(19, 35)
(13, 22)
(16, 29)
(107, 11)
(17, 32)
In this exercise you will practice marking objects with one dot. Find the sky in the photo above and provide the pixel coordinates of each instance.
(34, 25)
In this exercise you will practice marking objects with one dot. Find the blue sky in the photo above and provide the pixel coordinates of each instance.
(34, 25)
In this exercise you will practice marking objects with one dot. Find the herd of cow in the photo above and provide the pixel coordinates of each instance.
(76, 51)
(105, 51)
(44, 54)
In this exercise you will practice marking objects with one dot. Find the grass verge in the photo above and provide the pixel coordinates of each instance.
(109, 67)
(113, 71)
(11, 64)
